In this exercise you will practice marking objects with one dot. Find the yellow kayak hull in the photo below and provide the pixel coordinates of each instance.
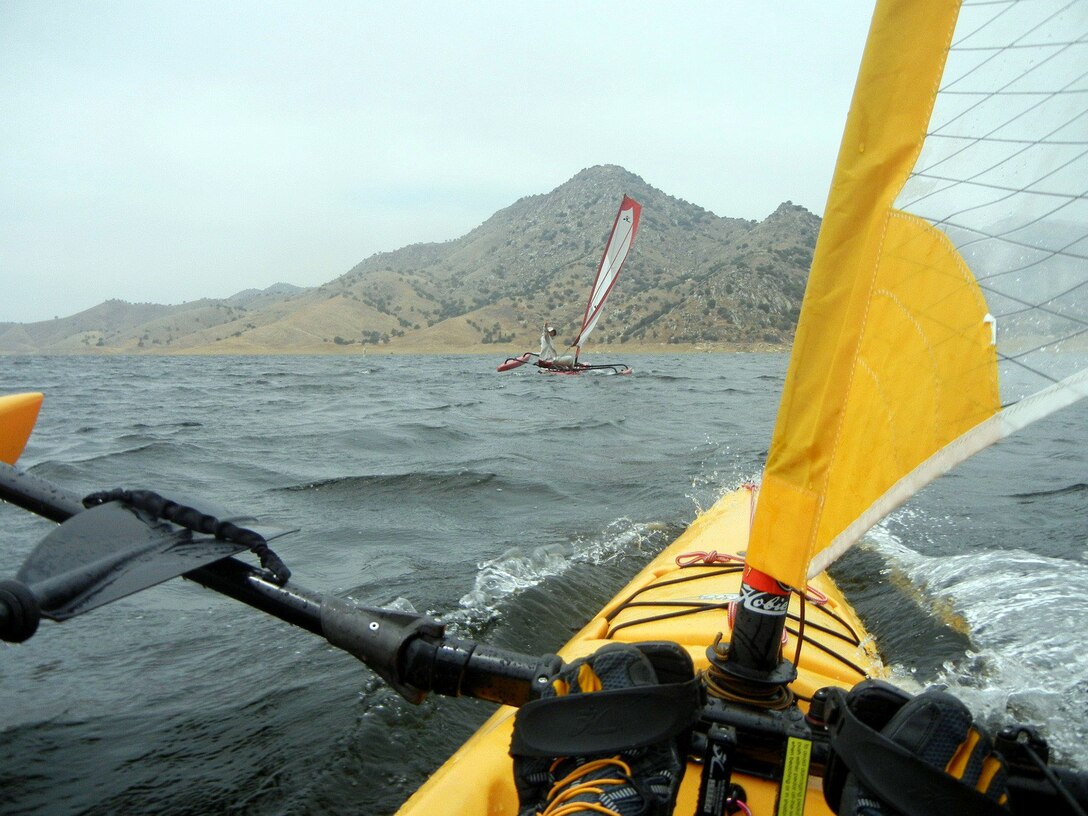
(18, 413)
(478, 778)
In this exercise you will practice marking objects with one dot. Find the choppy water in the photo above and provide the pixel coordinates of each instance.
(512, 506)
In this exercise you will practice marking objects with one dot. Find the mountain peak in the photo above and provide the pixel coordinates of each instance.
(693, 279)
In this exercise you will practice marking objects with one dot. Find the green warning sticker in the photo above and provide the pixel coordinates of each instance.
(791, 792)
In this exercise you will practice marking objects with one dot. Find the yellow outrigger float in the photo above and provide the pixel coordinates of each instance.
(18, 413)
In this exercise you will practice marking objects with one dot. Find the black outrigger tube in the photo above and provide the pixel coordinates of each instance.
(123, 543)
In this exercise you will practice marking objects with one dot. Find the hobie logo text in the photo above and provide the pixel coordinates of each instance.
(764, 603)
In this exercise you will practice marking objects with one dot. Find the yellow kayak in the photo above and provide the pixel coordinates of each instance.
(18, 413)
(681, 596)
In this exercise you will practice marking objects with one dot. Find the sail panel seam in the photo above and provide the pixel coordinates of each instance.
(981, 436)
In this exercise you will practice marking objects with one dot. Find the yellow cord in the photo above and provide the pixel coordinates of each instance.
(561, 804)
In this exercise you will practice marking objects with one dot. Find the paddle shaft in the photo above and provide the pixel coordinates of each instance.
(409, 651)
(37, 495)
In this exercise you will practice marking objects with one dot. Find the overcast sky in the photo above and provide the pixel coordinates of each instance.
(167, 151)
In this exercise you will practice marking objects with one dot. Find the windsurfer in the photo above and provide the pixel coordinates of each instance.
(548, 354)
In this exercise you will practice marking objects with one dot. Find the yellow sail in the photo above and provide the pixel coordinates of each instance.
(967, 138)
(893, 358)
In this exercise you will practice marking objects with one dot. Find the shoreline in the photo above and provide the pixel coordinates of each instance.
(421, 350)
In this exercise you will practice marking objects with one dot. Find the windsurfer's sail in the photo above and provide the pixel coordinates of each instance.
(948, 300)
(620, 241)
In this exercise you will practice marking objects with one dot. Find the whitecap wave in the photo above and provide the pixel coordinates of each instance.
(515, 571)
(1022, 611)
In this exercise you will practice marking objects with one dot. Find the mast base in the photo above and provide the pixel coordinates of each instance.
(727, 679)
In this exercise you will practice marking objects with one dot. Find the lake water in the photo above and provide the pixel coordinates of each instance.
(512, 506)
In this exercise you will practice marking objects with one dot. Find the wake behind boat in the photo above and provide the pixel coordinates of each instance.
(620, 241)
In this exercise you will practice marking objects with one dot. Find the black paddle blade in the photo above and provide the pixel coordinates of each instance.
(108, 552)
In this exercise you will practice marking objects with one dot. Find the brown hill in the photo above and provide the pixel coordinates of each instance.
(693, 280)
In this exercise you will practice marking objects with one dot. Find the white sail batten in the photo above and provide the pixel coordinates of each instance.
(1011, 419)
(620, 241)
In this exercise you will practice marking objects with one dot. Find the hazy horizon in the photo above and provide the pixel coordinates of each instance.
(163, 152)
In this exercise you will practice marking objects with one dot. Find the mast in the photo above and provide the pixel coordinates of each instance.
(947, 285)
(900, 72)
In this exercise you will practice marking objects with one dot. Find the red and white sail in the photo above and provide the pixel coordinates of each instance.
(615, 253)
